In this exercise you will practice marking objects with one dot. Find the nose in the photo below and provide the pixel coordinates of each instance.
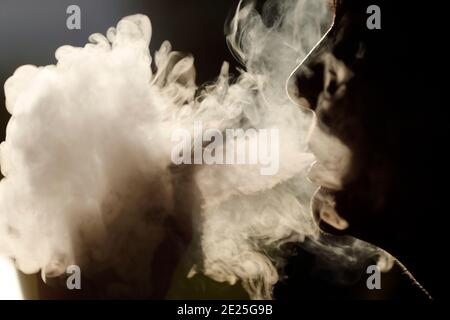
(308, 79)
(308, 84)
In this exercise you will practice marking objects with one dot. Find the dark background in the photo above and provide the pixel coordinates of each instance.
(31, 31)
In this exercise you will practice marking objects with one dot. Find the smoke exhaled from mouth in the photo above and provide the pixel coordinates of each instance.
(87, 168)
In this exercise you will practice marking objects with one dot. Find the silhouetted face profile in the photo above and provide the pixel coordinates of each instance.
(372, 90)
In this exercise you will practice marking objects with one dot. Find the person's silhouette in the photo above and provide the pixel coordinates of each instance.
(387, 112)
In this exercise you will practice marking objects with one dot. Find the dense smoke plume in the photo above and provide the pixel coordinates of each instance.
(88, 177)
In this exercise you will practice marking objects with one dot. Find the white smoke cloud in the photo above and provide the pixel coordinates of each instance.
(86, 159)
(85, 149)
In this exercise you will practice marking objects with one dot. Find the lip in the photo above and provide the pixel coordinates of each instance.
(325, 177)
(302, 101)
